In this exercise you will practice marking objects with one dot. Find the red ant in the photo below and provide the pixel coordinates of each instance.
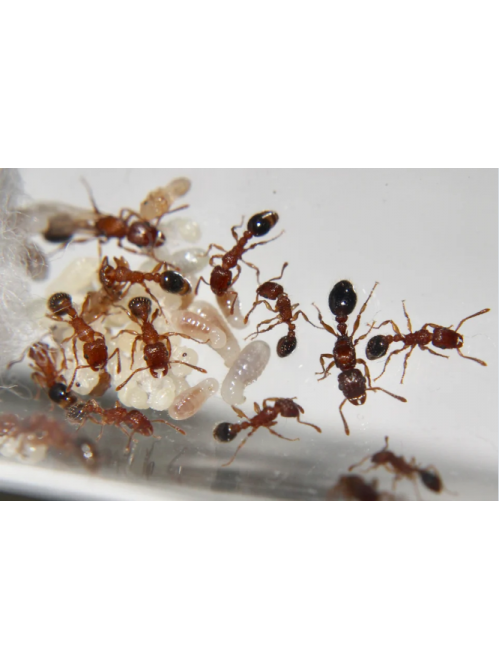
(355, 488)
(221, 278)
(156, 352)
(440, 337)
(40, 430)
(95, 350)
(117, 416)
(342, 301)
(113, 278)
(397, 465)
(46, 375)
(266, 417)
(284, 308)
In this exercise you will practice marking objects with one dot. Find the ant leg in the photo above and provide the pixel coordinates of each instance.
(479, 313)
(134, 372)
(216, 257)
(255, 305)
(127, 332)
(198, 284)
(74, 375)
(257, 270)
(318, 429)
(160, 420)
(324, 371)
(276, 434)
(327, 327)
(407, 318)
(117, 353)
(360, 361)
(179, 362)
(298, 313)
(236, 227)
(356, 322)
(358, 464)
(407, 356)
(239, 447)
(346, 426)
(467, 357)
(394, 327)
(424, 348)
(387, 361)
(396, 397)
(258, 332)
(266, 242)
(365, 335)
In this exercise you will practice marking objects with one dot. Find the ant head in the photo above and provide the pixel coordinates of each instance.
(140, 307)
(287, 408)
(270, 290)
(286, 345)
(342, 299)
(59, 303)
(224, 432)
(377, 347)
(175, 283)
(260, 224)
(141, 233)
(430, 480)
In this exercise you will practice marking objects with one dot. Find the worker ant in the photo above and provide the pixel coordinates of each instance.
(117, 416)
(285, 314)
(46, 374)
(221, 278)
(265, 417)
(95, 350)
(440, 337)
(397, 465)
(156, 352)
(356, 489)
(342, 302)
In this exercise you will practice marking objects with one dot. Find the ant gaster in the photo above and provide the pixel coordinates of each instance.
(285, 310)
(156, 351)
(95, 350)
(221, 278)
(440, 337)
(342, 302)
(397, 465)
(265, 417)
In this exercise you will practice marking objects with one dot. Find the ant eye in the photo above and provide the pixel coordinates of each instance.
(173, 282)
(224, 432)
(342, 299)
(260, 224)
(376, 347)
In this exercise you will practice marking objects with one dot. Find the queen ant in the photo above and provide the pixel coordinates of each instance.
(221, 278)
(342, 302)
(156, 352)
(265, 417)
(284, 310)
(95, 350)
(440, 337)
(397, 465)
(46, 374)
(117, 416)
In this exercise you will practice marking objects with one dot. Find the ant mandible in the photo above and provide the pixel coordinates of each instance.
(397, 465)
(221, 278)
(440, 337)
(156, 352)
(342, 301)
(95, 350)
(265, 417)
(284, 310)
(117, 416)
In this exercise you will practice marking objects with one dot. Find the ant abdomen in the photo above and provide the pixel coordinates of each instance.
(175, 283)
(377, 347)
(342, 299)
(260, 224)
(286, 345)
(430, 480)
(59, 303)
(224, 432)
(59, 394)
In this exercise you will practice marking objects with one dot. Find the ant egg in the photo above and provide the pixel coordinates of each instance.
(196, 326)
(225, 303)
(85, 381)
(245, 370)
(133, 396)
(188, 261)
(189, 402)
(232, 349)
(183, 354)
(22, 450)
(188, 229)
(161, 399)
(79, 277)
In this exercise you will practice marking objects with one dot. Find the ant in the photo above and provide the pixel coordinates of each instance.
(440, 337)
(221, 278)
(342, 302)
(95, 350)
(117, 416)
(355, 488)
(169, 280)
(266, 417)
(284, 308)
(46, 375)
(397, 465)
(156, 352)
